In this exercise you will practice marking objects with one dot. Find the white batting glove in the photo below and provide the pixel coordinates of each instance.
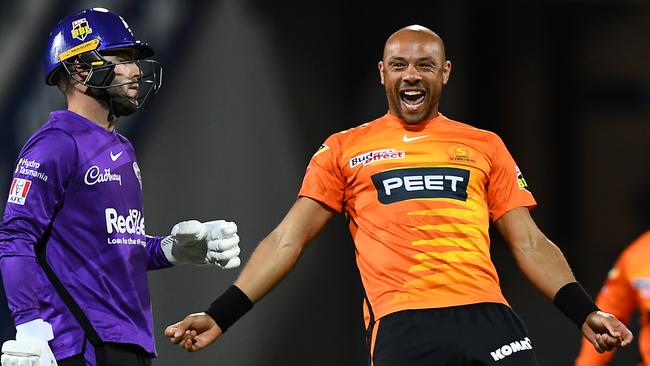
(213, 242)
(30, 347)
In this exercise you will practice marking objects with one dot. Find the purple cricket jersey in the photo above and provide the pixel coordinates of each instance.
(84, 183)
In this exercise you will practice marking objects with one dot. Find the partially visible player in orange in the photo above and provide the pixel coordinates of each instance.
(420, 191)
(626, 289)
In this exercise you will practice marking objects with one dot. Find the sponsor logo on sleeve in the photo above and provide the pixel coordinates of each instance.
(415, 183)
(613, 273)
(521, 182)
(30, 168)
(136, 170)
(377, 155)
(508, 349)
(19, 190)
(321, 150)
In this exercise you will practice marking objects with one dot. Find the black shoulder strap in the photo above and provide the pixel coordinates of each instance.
(69, 301)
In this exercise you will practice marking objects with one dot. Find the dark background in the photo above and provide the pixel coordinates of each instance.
(253, 87)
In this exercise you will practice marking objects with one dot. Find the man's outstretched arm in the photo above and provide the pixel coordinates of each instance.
(271, 261)
(545, 266)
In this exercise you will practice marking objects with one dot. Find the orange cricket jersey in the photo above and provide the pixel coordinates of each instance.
(627, 288)
(419, 200)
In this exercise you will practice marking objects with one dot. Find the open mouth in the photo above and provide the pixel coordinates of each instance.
(412, 100)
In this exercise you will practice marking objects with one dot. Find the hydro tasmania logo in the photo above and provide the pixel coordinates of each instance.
(30, 167)
(508, 349)
(412, 183)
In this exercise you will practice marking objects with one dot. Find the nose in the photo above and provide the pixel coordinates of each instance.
(411, 75)
(132, 70)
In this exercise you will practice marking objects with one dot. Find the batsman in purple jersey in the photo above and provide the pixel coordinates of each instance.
(74, 253)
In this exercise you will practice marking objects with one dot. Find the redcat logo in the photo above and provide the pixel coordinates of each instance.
(508, 349)
(133, 223)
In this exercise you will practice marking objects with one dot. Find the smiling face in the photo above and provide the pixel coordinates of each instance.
(413, 72)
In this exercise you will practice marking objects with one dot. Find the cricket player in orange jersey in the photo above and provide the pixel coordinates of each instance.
(420, 191)
(627, 288)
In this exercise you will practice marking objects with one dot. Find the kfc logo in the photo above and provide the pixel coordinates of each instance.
(19, 190)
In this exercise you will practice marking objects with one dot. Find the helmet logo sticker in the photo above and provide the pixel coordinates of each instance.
(80, 29)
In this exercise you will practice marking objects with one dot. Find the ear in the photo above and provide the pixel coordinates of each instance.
(381, 72)
(446, 71)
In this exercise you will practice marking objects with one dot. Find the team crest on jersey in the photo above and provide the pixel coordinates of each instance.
(461, 153)
(19, 190)
(377, 155)
(521, 182)
(321, 149)
(81, 29)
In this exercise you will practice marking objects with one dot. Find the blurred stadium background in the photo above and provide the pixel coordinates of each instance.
(253, 87)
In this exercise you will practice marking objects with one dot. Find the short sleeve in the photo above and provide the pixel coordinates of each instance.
(41, 173)
(323, 179)
(507, 188)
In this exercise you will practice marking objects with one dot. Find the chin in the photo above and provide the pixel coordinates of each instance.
(413, 119)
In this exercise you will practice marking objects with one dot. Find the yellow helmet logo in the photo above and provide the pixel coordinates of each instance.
(81, 29)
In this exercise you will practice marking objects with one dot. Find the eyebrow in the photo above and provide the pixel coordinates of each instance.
(399, 58)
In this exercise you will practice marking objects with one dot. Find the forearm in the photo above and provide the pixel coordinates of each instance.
(544, 265)
(20, 279)
(271, 261)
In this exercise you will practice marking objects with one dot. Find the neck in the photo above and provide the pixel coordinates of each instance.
(91, 109)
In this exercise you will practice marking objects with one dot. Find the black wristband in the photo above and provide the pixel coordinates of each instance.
(574, 302)
(229, 307)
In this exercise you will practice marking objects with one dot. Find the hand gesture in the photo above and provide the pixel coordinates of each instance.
(194, 333)
(213, 242)
(605, 331)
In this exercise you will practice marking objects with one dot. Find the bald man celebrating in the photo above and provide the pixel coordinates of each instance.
(420, 190)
